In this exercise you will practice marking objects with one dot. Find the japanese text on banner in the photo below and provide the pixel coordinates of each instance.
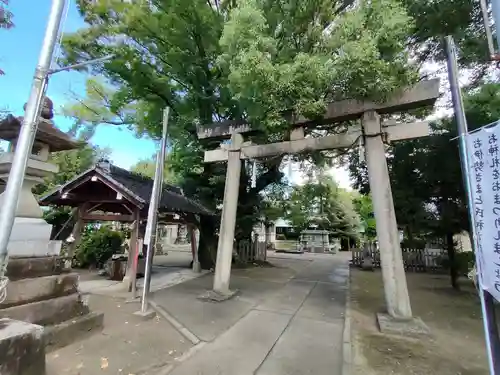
(485, 175)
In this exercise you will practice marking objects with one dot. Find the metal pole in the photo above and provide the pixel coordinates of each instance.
(28, 131)
(150, 236)
(79, 65)
(489, 324)
(487, 28)
(495, 7)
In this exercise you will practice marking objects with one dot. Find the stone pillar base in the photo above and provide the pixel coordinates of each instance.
(413, 327)
(22, 348)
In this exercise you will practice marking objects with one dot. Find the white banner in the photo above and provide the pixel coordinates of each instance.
(484, 159)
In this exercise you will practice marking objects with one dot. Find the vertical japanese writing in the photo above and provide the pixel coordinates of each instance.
(494, 167)
(484, 172)
(478, 187)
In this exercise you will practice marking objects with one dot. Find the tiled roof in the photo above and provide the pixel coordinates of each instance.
(172, 198)
(134, 185)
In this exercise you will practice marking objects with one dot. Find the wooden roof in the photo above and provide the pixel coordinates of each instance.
(94, 185)
(46, 133)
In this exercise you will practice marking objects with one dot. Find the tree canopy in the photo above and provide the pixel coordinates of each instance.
(5, 18)
(323, 205)
(247, 59)
(71, 163)
(147, 167)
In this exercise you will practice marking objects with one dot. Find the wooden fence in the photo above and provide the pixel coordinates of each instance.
(415, 260)
(251, 251)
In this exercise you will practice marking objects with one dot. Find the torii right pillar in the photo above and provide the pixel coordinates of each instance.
(391, 257)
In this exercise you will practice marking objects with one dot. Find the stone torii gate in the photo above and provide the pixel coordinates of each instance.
(373, 133)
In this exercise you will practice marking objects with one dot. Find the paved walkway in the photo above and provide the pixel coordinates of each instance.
(286, 320)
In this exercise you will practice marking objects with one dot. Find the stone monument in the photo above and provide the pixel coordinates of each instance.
(42, 296)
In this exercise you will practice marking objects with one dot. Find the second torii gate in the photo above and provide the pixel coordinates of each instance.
(373, 133)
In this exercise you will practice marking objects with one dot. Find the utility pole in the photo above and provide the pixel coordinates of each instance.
(150, 236)
(28, 131)
(487, 304)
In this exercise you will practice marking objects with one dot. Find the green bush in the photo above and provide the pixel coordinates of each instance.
(464, 261)
(97, 246)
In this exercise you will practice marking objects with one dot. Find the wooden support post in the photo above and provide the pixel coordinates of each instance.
(194, 248)
(133, 256)
(76, 233)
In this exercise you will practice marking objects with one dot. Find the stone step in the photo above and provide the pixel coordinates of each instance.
(22, 348)
(69, 331)
(47, 312)
(40, 288)
(22, 268)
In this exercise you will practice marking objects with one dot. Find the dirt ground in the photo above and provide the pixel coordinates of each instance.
(127, 345)
(455, 347)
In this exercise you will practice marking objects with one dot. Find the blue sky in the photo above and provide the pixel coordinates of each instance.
(18, 58)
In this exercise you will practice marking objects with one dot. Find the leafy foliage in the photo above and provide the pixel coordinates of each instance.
(147, 167)
(97, 246)
(5, 18)
(71, 163)
(235, 60)
(364, 208)
(324, 205)
(435, 19)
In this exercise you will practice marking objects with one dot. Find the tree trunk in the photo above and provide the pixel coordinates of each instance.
(207, 249)
(454, 267)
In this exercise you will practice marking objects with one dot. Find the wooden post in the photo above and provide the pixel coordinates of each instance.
(133, 255)
(194, 248)
(76, 233)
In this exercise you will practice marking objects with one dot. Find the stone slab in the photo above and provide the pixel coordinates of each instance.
(22, 267)
(148, 314)
(213, 296)
(40, 288)
(326, 302)
(30, 229)
(414, 327)
(69, 331)
(307, 347)
(51, 311)
(288, 299)
(22, 348)
(34, 248)
(241, 349)
(205, 320)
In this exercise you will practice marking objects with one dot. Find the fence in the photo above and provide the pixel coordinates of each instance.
(415, 260)
(251, 251)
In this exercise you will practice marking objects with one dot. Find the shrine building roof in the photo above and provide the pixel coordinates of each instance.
(95, 185)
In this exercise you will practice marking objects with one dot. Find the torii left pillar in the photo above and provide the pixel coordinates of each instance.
(228, 219)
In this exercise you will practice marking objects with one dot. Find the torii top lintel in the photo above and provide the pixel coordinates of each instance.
(420, 95)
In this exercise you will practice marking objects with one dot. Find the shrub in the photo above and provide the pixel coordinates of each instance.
(97, 246)
(464, 262)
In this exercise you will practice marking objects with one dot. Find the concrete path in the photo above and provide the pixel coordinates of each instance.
(286, 320)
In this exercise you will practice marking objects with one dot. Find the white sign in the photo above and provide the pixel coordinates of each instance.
(484, 157)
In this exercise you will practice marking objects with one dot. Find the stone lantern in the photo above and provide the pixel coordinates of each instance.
(31, 233)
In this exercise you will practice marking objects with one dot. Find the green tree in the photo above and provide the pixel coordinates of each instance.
(434, 19)
(364, 208)
(70, 163)
(236, 60)
(324, 205)
(5, 18)
(147, 167)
